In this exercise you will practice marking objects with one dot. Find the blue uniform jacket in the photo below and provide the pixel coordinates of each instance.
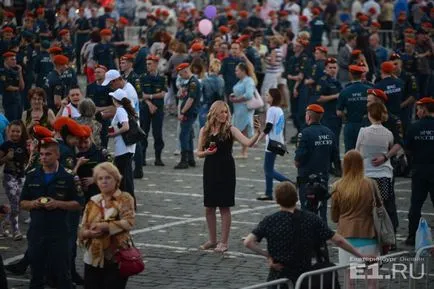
(316, 150)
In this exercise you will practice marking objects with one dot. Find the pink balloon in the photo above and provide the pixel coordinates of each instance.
(205, 27)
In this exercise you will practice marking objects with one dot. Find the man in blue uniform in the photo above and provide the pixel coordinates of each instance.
(327, 92)
(12, 82)
(103, 101)
(54, 87)
(419, 141)
(317, 28)
(25, 58)
(316, 72)
(352, 105)
(154, 88)
(41, 25)
(190, 100)
(140, 60)
(152, 30)
(82, 31)
(393, 87)
(315, 152)
(104, 53)
(50, 194)
(7, 39)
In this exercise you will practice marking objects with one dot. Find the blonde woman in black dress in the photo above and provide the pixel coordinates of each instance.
(215, 145)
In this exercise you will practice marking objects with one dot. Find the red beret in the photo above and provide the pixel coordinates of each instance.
(427, 24)
(99, 66)
(9, 54)
(322, 49)
(87, 131)
(129, 57)
(7, 29)
(60, 60)
(224, 29)
(402, 17)
(411, 41)
(378, 93)
(271, 13)
(55, 50)
(315, 108)
(243, 38)
(303, 18)
(243, 14)
(108, 9)
(63, 32)
(425, 100)
(153, 58)
(316, 11)
(48, 140)
(356, 52)
(165, 13)
(363, 18)
(344, 28)
(123, 20)
(9, 14)
(388, 67)
(394, 56)
(376, 24)
(409, 31)
(105, 32)
(158, 12)
(134, 49)
(229, 15)
(196, 47)
(356, 69)
(40, 11)
(283, 13)
(72, 126)
(40, 132)
(29, 15)
(182, 66)
(331, 60)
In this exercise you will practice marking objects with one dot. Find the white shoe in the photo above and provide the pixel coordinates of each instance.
(177, 152)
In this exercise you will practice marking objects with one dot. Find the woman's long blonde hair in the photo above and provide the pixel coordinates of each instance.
(211, 121)
(353, 182)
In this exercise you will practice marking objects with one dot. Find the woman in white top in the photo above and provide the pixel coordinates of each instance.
(274, 128)
(273, 65)
(123, 153)
(374, 141)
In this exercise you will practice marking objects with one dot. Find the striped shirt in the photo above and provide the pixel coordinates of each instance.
(274, 60)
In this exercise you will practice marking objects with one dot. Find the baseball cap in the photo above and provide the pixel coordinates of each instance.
(110, 76)
(118, 94)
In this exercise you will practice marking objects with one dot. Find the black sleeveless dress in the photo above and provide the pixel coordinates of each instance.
(219, 174)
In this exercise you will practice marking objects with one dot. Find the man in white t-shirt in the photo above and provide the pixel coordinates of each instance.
(71, 109)
(114, 78)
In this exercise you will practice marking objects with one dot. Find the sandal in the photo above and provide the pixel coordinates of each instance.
(208, 245)
(221, 248)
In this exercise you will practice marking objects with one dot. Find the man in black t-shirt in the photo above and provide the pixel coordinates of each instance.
(287, 256)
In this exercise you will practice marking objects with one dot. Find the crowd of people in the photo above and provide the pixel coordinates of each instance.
(259, 67)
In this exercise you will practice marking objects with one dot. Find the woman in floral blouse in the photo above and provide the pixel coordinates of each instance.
(107, 220)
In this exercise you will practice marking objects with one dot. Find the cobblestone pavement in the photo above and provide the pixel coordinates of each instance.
(171, 225)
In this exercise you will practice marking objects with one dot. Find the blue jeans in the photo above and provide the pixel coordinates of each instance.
(203, 113)
(271, 174)
(302, 197)
(187, 134)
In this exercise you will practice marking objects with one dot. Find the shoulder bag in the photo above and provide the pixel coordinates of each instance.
(276, 147)
(134, 134)
(255, 102)
(382, 223)
(129, 260)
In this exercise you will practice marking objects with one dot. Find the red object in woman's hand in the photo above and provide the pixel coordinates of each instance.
(111, 129)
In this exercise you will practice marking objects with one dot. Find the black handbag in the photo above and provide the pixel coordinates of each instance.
(134, 134)
(276, 147)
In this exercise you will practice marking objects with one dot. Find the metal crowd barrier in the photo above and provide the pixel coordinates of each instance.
(278, 283)
(423, 263)
(397, 271)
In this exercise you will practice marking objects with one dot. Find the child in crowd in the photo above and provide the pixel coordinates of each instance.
(14, 155)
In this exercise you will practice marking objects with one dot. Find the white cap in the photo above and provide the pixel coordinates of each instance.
(118, 94)
(110, 75)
